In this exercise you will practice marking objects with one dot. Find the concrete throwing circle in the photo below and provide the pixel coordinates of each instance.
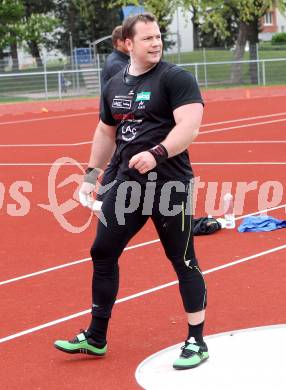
(248, 359)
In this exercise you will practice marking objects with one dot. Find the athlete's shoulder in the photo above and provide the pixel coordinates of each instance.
(172, 69)
(118, 76)
(165, 66)
(175, 74)
(114, 81)
(179, 85)
(171, 72)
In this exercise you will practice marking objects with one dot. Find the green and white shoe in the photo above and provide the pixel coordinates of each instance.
(82, 343)
(192, 355)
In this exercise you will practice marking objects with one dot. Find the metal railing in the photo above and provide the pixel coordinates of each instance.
(86, 81)
(50, 84)
(239, 73)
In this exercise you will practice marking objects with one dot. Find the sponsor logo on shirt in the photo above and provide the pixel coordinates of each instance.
(121, 103)
(141, 105)
(124, 117)
(143, 96)
(128, 133)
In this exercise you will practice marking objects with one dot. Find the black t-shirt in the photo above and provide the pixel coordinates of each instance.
(141, 107)
(113, 64)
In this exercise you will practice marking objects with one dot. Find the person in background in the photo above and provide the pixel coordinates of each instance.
(116, 60)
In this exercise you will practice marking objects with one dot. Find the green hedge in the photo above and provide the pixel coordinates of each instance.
(278, 38)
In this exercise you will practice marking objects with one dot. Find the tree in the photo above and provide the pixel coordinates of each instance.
(244, 23)
(25, 21)
(85, 21)
(250, 14)
(247, 15)
(35, 32)
(73, 27)
(39, 24)
(196, 24)
(210, 37)
(99, 18)
(11, 13)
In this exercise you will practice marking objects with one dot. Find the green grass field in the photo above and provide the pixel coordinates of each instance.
(8, 99)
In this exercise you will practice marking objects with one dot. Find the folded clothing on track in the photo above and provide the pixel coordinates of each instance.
(261, 223)
(205, 225)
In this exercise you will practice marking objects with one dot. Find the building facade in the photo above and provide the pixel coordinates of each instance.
(181, 32)
(273, 22)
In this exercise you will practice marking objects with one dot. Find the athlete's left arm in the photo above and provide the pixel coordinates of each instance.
(188, 119)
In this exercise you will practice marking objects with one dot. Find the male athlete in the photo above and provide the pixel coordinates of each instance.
(151, 111)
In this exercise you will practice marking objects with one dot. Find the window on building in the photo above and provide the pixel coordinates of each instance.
(282, 28)
(268, 19)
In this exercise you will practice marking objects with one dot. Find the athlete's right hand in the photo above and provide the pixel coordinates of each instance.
(85, 193)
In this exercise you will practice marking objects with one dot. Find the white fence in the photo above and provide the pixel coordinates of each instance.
(239, 73)
(86, 82)
(50, 84)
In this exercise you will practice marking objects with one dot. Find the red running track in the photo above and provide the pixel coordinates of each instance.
(241, 295)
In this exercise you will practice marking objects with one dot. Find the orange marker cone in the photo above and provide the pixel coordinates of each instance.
(44, 109)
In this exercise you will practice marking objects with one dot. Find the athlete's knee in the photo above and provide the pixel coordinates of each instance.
(105, 268)
(101, 250)
(193, 289)
(182, 266)
(104, 263)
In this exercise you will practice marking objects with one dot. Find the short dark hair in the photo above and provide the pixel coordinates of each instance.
(128, 30)
(116, 34)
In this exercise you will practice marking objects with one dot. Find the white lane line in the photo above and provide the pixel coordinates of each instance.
(90, 142)
(237, 142)
(248, 118)
(43, 145)
(76, 262)
(97, 112)
(265, 211)
(240, 126)
(240, 163)
(140, 294)
(70, 264)
(49, 118)
(44, 271)
(193, 163)
(49, 164)
(198, 142)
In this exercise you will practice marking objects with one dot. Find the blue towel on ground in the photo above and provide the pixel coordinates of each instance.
(261, 223)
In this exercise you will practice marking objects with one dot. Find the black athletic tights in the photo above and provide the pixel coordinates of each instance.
(126, 208)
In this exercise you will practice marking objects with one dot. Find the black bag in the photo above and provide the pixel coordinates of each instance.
(205, 225)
